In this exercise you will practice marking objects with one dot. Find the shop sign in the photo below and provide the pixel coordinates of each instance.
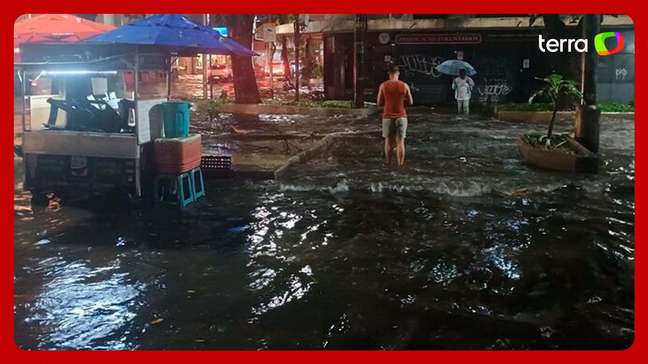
(266, 33)
(451, 38)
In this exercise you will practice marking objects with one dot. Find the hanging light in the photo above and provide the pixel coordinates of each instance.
(77, 72)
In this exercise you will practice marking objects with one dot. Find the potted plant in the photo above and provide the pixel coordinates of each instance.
(558, 152)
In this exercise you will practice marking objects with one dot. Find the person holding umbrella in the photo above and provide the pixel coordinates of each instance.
(461, 85)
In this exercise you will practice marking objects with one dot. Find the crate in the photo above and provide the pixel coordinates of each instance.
(216, 163)
(177, 155)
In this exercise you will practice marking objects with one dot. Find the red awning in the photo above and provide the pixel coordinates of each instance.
(56, 28)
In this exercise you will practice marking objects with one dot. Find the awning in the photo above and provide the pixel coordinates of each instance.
(56, 28)
(173, 33)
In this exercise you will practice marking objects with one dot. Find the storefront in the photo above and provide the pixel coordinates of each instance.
(507, 62)
(615, 75)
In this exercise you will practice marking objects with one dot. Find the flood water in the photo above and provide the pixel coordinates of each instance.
(465, 248)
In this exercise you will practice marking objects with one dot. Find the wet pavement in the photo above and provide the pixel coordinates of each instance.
(464, 248)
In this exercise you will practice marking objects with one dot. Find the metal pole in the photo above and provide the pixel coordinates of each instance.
(583, 61)
(24, 98)
(296, 41)
(591, 27)
(587, 123)
(204, 61)
(138, 187)
(168, 78)
(272, 51)
(211, 86)
(359, 38)
(136, 91)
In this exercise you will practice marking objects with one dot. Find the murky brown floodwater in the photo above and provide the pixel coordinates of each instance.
(464, 248)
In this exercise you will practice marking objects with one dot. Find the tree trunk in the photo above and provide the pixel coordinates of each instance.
(553, 120)
(562, 63)
(307, 69)
(284, 57)
(273, 49)
(565, 63)
(555, 28)
(297, 40)
(591, 27)
(245, 87)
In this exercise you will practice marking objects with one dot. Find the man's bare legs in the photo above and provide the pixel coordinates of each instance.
(388, 149)
(400, 151)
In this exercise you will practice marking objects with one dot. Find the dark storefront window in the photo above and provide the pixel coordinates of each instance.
(503, 74)
(507, 63)
(615, 74)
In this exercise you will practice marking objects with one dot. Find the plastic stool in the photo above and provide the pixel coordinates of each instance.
(174, 188)
(185, 191)
(198, 183)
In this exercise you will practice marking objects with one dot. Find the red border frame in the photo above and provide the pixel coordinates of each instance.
(15, 8)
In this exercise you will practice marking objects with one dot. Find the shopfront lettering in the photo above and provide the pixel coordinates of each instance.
(454, 38)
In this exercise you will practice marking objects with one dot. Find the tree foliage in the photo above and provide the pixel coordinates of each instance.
(554, 89)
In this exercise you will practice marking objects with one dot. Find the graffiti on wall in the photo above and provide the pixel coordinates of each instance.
(620, 73)
(495, 80)
(493, 89)
(420, 64)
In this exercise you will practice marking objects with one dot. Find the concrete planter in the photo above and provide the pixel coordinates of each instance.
(255, 109)
(535, 117)
(544, 117)
(619, 115)
(581, 161)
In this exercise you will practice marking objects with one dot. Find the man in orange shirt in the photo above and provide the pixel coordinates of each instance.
(394, 95)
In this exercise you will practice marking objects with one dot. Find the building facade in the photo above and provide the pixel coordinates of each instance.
(503, 49)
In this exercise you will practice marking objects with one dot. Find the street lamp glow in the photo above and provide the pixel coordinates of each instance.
(77, 72)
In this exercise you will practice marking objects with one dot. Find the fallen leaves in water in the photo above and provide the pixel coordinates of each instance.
(24, 213)
(22, 209)
(520, 191)
(53, 203)
(157, 321)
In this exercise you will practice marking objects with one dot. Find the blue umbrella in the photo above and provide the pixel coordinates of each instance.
(451, 67)
(175, 33)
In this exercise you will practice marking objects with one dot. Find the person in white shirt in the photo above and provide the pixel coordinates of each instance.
(462, 87)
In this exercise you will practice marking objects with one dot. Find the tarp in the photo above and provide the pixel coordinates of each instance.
(174, 33)
(56, 28)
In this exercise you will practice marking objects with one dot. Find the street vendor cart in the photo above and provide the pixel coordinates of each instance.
(102, 123)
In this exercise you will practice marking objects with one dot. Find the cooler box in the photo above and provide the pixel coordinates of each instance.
(177, 155)
(175, 117)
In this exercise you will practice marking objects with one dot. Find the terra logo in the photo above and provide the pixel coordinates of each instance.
(581, 45)
(599, 43)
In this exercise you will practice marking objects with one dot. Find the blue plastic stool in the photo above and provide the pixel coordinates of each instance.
(174, 188)
(185, 190)
(198, 183)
